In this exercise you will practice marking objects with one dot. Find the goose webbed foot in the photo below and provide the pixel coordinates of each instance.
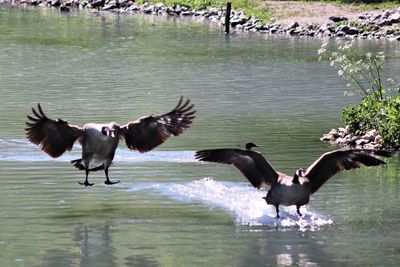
(108, 182)
(298, 211)
(277, 212)
(86, 183)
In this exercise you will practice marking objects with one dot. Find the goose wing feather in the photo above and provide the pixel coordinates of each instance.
(252, 164)
(332, 162)
(148, 132)
(53, 136)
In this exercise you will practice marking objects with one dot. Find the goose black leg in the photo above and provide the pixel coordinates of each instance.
(108, 182)
(277, 211)
(298, 210)
(86, 183)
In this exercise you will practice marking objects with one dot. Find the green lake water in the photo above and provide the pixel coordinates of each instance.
(169, 209)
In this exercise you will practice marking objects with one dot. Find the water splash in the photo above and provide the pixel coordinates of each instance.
(245, 203)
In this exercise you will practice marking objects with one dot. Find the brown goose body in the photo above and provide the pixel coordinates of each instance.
(291, 190)
(99, 141)
(98, 149)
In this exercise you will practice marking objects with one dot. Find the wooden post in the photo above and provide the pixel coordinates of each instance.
(228, 17)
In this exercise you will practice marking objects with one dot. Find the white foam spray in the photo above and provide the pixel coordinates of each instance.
(243, 201)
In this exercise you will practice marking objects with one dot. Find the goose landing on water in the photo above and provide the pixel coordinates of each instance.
(291, 190)
(99, 141)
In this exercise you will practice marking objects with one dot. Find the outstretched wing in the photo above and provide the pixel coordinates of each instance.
(331, 163)
(53, 136)
(146, 133)
(252, 164)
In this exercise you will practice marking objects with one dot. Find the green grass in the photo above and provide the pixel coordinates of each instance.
(254, 8)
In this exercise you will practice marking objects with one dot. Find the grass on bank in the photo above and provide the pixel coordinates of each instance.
(261, 9)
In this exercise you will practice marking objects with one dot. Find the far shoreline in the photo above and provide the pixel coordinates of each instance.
(384, 24)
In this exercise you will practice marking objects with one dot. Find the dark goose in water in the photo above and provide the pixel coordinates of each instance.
(291, 190)
(99, 141)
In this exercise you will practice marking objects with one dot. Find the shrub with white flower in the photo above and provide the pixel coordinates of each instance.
(380, 107)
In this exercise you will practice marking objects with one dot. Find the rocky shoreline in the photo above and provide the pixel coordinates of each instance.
(340, 136)
(382, 25)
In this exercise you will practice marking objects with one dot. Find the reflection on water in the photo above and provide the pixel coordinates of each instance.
(270, 90)
(95, 245)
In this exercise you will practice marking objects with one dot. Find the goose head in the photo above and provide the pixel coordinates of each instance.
(110, 130)
(300, 172)
(268, 199)
(250, 145)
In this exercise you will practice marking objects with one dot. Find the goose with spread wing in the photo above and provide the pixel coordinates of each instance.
(99, 141)
(291, 190)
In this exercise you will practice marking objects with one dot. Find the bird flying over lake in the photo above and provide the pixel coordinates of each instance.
(291, 190)
(99, 141)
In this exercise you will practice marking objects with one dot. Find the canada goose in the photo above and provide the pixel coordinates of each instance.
(99, 141)
(284, 189)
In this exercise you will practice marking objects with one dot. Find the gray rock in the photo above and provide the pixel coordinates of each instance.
(394, 18)
(372, 146)
(125, 3)
(183, 8)
(274, 28)
(293, 25)
(338, 18)
(187, 13)
(202, 13)
(238, 21)
(109, 6)
(64, 9)
(55, 3)
(342, 28)
(352, 30)
(261, 27)
(340, 34)
(133, 8)
(147, 9)
(377, 17)
(362, 142)
(327, 137)
(386, 14)
(370, 135)
(36, 2)
(326, 27)
(334, 133)
(72, 3)
(385, 22)
(214, 18)
(378, 139)
(213, 12)
(342, 132)
(347, 29)
(365, 16)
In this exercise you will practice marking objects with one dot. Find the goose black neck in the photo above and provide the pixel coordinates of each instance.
(295, 179)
